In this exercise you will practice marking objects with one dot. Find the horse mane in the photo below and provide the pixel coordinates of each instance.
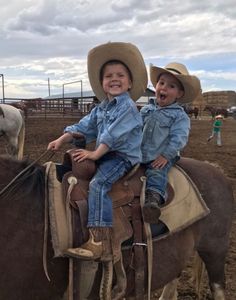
(31, 179)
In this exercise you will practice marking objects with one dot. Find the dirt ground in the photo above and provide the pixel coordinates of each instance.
(40, 131)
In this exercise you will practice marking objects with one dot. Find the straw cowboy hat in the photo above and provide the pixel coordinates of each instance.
(191, 84)
(126, 53)
(219, 117)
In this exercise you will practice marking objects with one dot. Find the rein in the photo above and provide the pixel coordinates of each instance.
(24, 170)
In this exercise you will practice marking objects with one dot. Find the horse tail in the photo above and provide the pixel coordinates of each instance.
(21, 139)
(198, 272)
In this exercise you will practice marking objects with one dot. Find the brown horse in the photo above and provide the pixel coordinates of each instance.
(214, 111)
(191, 111)
(22, 227)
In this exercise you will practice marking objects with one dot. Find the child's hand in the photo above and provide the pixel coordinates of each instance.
(54, 145)
(57, 144)
(159, 162)
(82, 154)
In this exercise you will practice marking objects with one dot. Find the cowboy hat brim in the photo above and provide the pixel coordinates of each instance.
(126, 53)
(190, 83)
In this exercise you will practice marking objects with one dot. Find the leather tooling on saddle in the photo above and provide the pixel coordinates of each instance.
(186, 208)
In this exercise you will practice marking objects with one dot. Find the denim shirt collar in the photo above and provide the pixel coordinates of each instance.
(174, 105)
(103, 105)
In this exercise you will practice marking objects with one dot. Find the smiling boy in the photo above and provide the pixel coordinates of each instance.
(118, 77)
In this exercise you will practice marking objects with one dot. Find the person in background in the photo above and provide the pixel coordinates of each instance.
(118, 77)
(166, 130)
(216, 130)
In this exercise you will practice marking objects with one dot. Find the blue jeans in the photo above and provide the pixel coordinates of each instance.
(110, 168)
(157, 179)
(218, 137)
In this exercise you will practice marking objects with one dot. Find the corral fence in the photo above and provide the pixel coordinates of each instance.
(65, 107)
(57, 107)
(46, 108)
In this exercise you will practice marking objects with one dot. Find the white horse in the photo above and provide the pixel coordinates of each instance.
(12, 127)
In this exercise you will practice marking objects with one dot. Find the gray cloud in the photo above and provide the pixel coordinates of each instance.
(41, 39)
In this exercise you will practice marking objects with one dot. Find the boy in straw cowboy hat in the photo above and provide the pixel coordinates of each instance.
(166, 130)
(216, 130)
(118, 77)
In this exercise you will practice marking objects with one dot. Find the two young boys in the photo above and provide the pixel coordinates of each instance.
(118, 77)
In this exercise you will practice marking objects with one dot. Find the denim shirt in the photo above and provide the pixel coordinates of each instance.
(165, 131)
(117, 124)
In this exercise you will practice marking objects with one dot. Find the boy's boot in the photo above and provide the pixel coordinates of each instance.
(151, 209)
(93, 248)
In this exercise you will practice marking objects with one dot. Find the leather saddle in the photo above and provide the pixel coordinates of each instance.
(128, 229)
(125, 195)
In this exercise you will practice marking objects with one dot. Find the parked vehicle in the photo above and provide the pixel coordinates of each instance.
(232, 111)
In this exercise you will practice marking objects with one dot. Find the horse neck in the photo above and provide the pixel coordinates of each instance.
(24, 184)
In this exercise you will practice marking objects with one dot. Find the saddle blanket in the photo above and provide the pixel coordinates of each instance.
(186, 208)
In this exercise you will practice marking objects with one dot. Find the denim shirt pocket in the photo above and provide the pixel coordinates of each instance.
(165, 125)
(110, 119)
(166, 122)
(157, 127)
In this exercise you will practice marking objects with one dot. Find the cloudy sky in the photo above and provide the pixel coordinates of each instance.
(44, 43)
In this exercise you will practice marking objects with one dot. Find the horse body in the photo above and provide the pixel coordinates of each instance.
(21, 238)
(214, 111)
(21, 233)
(209, 236)
(12, 127)
(191, 111)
